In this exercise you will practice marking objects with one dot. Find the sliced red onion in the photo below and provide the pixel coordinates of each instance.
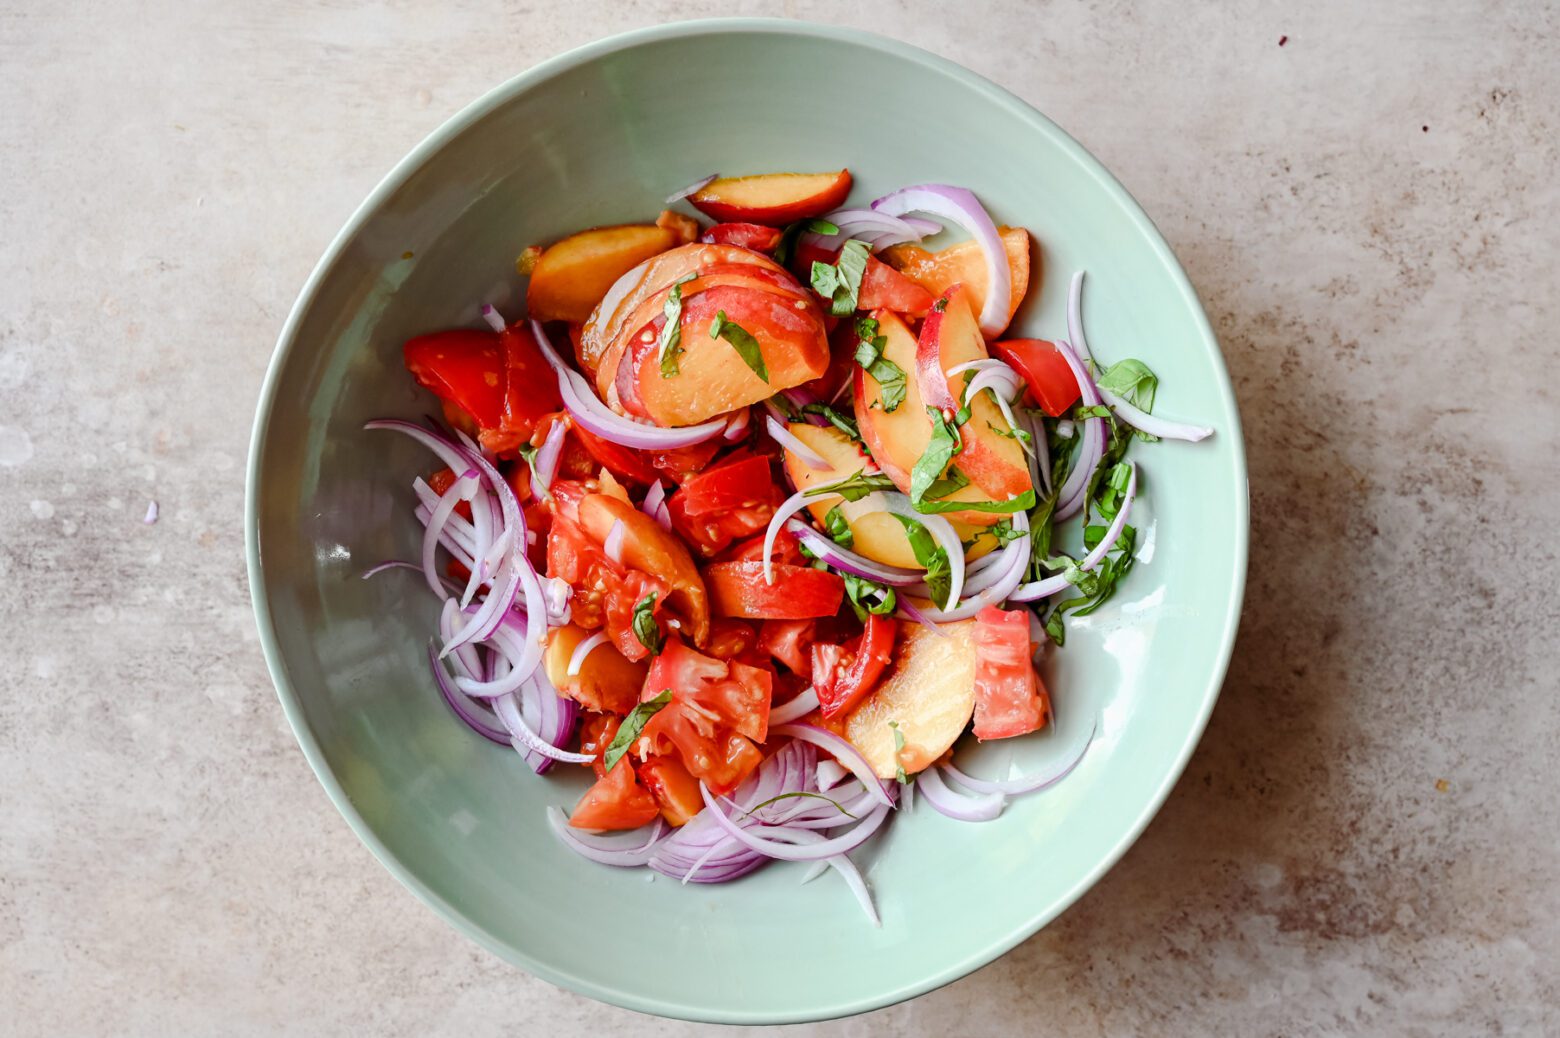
(1075, 317)
(556, 594)
(692, 189)
(494, 319)
(912, 612)
(1070, 498)
(583, 650)
(922, 226)
(151, 513)
(868, 224)
(981, 807)
(655, 505)
(805, 703)
(594, 416)
(805, 847)
(737, 424)
(789, 507)
(483, 543)
(858, 886)
(613, 545)
(509, 712)
(1065, 428)
(830, 772)
(843, 752)
(787, 439)
(462, 706)
(1040, 456)
(463, 489)
(627, 850)
(467, 659)
(942, 532)
(1004, 386)
(1067, 760)
(996, 583)
(545, 468)
(959, 206)
(848, 561)
(1051, 585)
(489, 563)
(1144, 422)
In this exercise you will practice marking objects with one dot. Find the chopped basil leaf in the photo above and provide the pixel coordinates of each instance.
(941, 304)
(786, 407)
(841, 283)
(854, 488)
(899, 745)
(1005, 532)
(788, 237)
(837, 418)
(817, 226)
(799, 793)
(952, 483)
(1022, 503)
(742, 341)
(1021, 435)
(646, 629)
(1054, 628)
(889, 376)
(671, 332)
(939, 572)
(1090, 411)
(1132, 380)
(940, 450)
(632, 725)
(839, 529)
(867, 597)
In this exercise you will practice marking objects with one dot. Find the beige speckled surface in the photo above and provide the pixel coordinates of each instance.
(1366, 841)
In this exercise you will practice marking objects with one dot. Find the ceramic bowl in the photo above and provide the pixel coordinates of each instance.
(598, 136)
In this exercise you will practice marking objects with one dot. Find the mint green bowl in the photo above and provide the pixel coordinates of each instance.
(599, 136)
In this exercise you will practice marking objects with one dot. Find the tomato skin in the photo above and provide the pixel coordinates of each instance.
(735, 499)
(463, 367)
(843, 675)
(786, 551)
(1049, 381)
(798, 593)
(731, 639)
(673, 787)
(682, 464)
(717, 707)
(616, 801)
(884, 288)
(1009, 699)
(530, 387)
(789, 641)
(623, 462)
(748, 235)
(649, 549)
(596, 734)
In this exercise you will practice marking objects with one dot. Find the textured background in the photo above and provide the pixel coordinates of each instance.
(1366, 840)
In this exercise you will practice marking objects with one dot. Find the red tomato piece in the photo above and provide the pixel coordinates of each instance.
(685, 462)
(626, 463)
(789, 641)
(731, 639)
(798, 593)
(673, 787)
(752, 550)
(884, 288)
(717, 707)
(463, 367)
(1049, 380)
(843, 675)
(440, 482)
(596, 734)
(1009, 699)
(735, 499)
(530, 388)
(748, 235)
(616, 801)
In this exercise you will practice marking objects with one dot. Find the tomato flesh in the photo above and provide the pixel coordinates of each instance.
(718, 710)
(789, 641)
(616, 801)
(673, 787)
(753, 236)
(1009, 699)
(1049, 381)
(463, 367)
(798, 593)
(736, 499)
(843, 675)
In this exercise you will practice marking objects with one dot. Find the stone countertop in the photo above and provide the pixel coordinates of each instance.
(1364, 195)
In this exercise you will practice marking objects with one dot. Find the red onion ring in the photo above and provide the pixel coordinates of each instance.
(942, 532)
(613, 545)
(494, 319)
(620, 852)
(545, 467)
(848, 561)
(843, 752)
(1051, 585)
(959, 206)
(789, 507)
(460, 704)
(1068, 760)
(787, 439)
(737, 424)
(806, 848)
(525, 737)
(981, 807)
(655, 505)
(805, 703)
(1070, 498)
(463, 489)
(582, 651)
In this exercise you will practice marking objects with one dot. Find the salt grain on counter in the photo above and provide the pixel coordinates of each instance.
(151, 514)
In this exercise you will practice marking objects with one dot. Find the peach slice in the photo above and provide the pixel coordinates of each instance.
(606, 680)
(572, 275)
(950, 336)
(963, 264)
(772, 198)
(928, 695)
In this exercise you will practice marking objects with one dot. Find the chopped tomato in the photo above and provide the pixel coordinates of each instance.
(843, 675)
(673, 787)
(883, 287)
(463, 368)
(748, 235)
(799, 592)
(621, 596)
(596, 734)
(731, 639)
(440, 482)
(788, 642)
(579, 561)
(623, 462)
(733, 500)
(1009, 699)
(649, 549)
(530, 388)
(717, 707)
(519, 478)
(1049, 380)
(752, 550)
(616, 801)
(685, 462)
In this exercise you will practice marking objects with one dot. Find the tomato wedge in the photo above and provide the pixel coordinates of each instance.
(673, 787)
(843, 675)
(798, 593)
(752, 550)
(748, 235)
(623, 462)
(463, 367)
(733, 500)
(789, 641)
(1009, 699)
(616, 801)
(530, 387)
(596, 734)
(884, 288)
(1050, 384)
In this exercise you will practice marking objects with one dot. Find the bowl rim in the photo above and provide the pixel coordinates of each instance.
(500, 94)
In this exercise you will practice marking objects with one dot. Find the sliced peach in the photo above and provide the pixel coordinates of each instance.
(927, 696)
(898, 438)
(606, 680)
(624, 297)
(713, 378)
(877, 534)
(963, 264)
(772, 198)
(572, 275)
(950, 336)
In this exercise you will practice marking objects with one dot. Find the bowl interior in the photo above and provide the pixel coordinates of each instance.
(600, 136)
